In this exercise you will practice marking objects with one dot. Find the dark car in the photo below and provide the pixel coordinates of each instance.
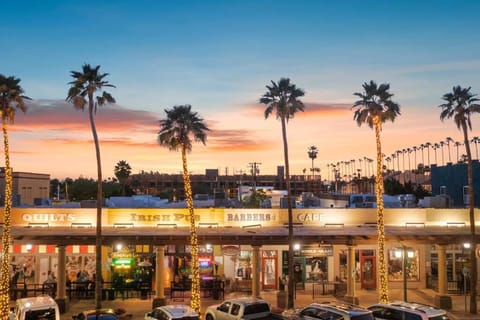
(330, 311)
(102, 314)
(407, 310)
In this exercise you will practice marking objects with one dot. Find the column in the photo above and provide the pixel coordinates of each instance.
(442, 271)
(256, 266)
(351, 271)
(61, 293)
(442, 299)
(159, 299)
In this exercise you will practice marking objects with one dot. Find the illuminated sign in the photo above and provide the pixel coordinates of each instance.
(122, 261)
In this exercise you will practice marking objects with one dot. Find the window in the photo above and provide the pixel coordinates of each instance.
(235, 309)
(224, 307)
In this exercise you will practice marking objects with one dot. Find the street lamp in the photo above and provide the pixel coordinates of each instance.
(404, 253)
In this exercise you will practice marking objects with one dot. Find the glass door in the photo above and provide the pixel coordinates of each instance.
(368, 276)
(269, 270)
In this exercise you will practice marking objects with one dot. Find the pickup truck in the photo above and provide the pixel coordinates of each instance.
(241, 308)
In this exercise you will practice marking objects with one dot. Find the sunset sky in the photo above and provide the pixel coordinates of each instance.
(218, 56)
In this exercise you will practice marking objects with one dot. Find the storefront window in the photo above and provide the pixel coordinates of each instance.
(396, 266)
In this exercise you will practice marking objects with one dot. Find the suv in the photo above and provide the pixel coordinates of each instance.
(171, 312)
(330, 311)
(102, 314)
(407, 310)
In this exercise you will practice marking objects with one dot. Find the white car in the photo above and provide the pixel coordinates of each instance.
(172, 312)
(239, 308)
(407, 310)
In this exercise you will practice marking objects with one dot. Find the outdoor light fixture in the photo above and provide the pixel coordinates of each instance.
(123, 225)
(81, 225)
(466, 245)
(334, 225)
(296, 246)
(208, 225)
(208, 246)
(414, 225)
(38, 225)
(28, 247)
(252, 226)
(167, 225)
(455, 224)
(119, 246)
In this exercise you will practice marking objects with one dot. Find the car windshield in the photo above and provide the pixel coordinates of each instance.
(45, 314)
(367, 316)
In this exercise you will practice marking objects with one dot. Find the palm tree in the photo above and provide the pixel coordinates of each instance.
(476, 140)
(461, 105)
(428, 145)
(442, 143)
(81, 93)
(457, 145)
(374, 108)
(11, 98)
(177, 130)
(312, 154)
(435, 147)
(448, 140)
(282, 98)
(122, 171)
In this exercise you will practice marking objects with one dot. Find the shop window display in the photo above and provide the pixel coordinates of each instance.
(396, 268)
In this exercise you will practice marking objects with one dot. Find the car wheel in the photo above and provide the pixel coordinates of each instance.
(208, 317)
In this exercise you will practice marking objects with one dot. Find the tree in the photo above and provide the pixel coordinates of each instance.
(177, 130)
(282, 98)
(255, 199)
(122, 171)
(11, 99)
(374, 108)
(461, 105)
(81, 94)
(312, 154)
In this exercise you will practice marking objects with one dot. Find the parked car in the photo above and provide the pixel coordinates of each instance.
(407, 310)
(41, 307)
(330, 311)
(240, 308)
(172, 312)
(102, 314)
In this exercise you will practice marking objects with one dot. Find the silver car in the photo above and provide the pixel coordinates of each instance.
(407, 310)
(172, 312)
(330, 311)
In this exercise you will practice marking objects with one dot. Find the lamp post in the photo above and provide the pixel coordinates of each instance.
(404, 253)
(466, 246)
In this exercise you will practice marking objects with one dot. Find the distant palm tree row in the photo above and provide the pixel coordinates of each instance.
(424, 155)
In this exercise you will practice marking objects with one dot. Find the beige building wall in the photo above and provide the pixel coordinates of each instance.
(27, 185)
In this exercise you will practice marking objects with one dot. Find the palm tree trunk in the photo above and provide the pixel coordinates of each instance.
(195, 300)
(98, 240)
(473, 240)
(291, 275)
(383, 292)
(5, 270)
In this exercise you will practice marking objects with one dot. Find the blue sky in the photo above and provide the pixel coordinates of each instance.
(219, 55)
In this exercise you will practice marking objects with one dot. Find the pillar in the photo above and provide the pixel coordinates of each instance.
(350, 296)
(442, 299)
(256, 266)
(61, 294)
(159, 299)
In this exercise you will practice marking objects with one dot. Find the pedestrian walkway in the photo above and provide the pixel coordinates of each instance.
(138, 307)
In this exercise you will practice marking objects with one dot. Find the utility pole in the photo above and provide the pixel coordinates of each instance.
(254, 170)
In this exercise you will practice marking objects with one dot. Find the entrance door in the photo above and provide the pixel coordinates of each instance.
(269, 272)
(368, 272)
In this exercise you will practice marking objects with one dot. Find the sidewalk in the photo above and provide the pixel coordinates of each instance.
(138, 307)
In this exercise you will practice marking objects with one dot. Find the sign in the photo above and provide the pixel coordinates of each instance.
(231, 250)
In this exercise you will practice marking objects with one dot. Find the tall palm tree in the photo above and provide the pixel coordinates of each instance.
(122, 171)
(460, 105)
(375, 107)
(476, 140)
(428, 145)
(177, 131)
(435, 147)
(442, 143)
(82, 94)
(11, 99)
(312, 154)
(447, 141)
(457, 145)
(282, 98)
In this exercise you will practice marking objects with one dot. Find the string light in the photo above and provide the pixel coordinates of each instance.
(5, 271)
(195, 291)
(383, 292)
